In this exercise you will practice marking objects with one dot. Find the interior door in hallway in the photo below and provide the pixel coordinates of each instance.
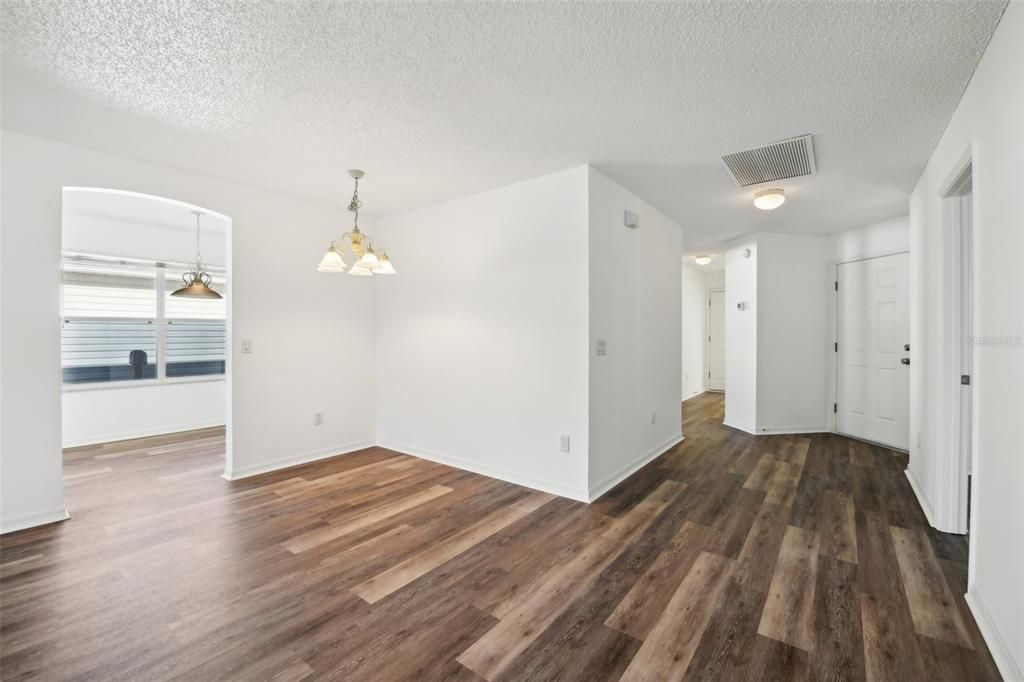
(716, 340)
(873, 356)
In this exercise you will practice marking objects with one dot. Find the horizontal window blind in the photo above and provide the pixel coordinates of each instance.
(109, 330)
(112, 329)
(109, 295)
(195, 347)
(94, 350)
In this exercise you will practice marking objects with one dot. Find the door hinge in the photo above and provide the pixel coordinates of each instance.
(709, 339)
(837, 347)
(837, 285)
(709, 374)
(835, 408)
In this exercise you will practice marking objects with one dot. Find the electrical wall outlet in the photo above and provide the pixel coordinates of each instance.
(318, 418)
(246, 345)
(563, 444)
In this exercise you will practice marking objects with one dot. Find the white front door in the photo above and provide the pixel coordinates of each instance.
(873, 382)
(716, 340)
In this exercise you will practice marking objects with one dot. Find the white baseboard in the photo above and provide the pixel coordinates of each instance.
(295, 460)
(33, 520)
(1001, 653)
(485, 470)
(783, 430)
(926, 506)
(609, 482)
(745, 429)
(693, 395)
(143, 433)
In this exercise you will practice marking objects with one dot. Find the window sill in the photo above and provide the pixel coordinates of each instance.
(141, 383)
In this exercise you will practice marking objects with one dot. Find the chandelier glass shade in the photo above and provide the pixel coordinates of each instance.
(196, 283)
(367, 263)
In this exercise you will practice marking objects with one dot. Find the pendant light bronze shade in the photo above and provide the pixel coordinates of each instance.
(196, 283)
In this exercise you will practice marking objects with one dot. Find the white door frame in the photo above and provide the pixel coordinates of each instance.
(953, 464)
(832, 417)
(707, 336)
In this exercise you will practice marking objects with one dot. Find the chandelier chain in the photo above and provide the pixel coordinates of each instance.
(355, 204)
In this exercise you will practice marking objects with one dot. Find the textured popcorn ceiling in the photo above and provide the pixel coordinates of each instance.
(438, 100)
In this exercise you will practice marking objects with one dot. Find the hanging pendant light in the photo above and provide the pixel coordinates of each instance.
(367, 262)
(196, 283)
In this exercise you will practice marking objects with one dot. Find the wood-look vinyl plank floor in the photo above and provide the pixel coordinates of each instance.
(730, 557)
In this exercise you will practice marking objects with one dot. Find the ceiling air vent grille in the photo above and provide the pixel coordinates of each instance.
(776, 161)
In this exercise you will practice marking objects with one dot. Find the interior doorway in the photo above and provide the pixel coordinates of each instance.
(145, 358)
(716, 340)
(873, 352)
(958, 371)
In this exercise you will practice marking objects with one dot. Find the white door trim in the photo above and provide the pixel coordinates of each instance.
(707, 336)
(951, 498)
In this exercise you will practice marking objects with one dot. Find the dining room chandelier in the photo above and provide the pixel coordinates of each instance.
(367, 261)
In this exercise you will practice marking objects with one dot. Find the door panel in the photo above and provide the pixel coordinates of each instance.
(874, 324)
(716, 341)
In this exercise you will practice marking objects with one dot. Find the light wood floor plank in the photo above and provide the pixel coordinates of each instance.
(789, 609)
(931, 603)
(668, 648)
(380, 586)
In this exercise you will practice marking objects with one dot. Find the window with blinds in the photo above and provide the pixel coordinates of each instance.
(113, 328)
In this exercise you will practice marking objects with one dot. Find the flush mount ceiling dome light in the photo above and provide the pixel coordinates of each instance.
(702, 260)
(768, 199)
(368, 263)
(196, 283)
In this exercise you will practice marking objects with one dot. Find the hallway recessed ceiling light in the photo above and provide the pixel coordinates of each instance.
(702, 260)
(367, 262)
(767, 199)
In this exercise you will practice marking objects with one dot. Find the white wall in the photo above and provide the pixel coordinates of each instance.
(312, 333)
(776, 350)
(109, 414)
(635, 306)
(694, 303)
(869, 241)
(988, 125)
(793, 338)
(482, 337)
(741, 335)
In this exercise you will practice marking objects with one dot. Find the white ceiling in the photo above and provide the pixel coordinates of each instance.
(437, 100)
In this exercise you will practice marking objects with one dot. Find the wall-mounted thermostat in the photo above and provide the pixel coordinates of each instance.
(632, 220)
